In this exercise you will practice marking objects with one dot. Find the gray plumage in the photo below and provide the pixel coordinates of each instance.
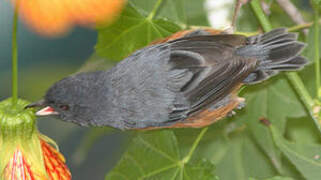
(166, 83)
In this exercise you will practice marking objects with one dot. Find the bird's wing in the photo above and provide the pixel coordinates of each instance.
(212, 68)
(164, 83)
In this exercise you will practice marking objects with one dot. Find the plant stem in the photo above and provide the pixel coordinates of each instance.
(155, 9)
(316, 51)
(15, 55)
(195, 144)
(256, 7)
(300, 26)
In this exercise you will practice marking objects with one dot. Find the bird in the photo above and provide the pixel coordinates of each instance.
(188, 80)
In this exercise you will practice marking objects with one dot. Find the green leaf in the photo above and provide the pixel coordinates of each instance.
(237, 163)
(230, 146)
(302, 130)
(183, 12)
(276, 101)
(132, 31)
(199, 170)
(305, 157)
(170, 9)
(195, 13)
(156, 155)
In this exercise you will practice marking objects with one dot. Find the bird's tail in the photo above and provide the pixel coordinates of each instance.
(277, 50)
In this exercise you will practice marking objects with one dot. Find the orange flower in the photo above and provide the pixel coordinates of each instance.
(54, 17)
(25, 154)
(20, 167)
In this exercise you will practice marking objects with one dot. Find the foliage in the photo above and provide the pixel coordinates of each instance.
(137, 32)
(156, 155)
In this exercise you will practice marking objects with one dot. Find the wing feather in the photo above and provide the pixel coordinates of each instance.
(213, 71)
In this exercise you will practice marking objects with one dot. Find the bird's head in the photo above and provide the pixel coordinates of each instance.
(73, 98)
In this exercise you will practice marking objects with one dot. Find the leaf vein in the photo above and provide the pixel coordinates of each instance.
(140, 167)
(159, 170)
(156, 150)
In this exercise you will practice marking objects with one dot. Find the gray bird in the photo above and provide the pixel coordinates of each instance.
(191, 81)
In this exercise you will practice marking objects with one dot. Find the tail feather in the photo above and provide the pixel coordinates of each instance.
(275, 51)
(294, 63)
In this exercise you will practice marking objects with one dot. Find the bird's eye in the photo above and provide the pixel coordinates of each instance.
(64, 107)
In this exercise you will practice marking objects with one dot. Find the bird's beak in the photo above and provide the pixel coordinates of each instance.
(43, 112)
(47, 111)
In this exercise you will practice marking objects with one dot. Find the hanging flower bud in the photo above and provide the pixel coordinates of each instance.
(54, 17)
(25, 154)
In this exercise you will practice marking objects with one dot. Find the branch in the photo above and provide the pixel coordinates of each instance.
(237, 8)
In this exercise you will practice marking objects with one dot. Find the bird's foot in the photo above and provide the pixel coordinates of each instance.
(241, 104)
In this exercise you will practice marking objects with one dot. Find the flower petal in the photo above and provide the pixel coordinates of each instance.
(55, 163)
(19, 169)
